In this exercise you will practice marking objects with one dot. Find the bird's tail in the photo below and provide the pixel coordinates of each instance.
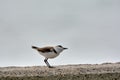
(34, 47)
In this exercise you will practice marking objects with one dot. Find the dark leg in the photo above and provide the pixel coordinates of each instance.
(45, 60)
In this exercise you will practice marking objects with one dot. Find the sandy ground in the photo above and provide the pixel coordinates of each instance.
(60, 70)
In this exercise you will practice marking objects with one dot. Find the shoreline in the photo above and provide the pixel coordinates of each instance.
(60, 70)
(104, 71)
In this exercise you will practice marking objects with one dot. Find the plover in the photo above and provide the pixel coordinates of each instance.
(49, 52)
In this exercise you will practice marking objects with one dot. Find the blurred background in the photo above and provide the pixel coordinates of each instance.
(89, 28)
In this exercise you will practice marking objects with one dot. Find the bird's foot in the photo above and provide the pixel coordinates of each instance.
(51, 67)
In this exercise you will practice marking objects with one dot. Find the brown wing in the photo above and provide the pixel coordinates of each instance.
(45, 49)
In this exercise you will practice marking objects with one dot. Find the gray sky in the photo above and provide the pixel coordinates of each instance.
(89, 28)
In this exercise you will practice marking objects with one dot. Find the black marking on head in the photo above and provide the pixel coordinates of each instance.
(59, 46)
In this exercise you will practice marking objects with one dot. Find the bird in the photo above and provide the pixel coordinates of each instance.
(49, 52)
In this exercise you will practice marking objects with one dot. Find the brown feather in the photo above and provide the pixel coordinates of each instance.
(45, 49)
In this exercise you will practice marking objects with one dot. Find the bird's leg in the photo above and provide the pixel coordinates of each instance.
(45, 60)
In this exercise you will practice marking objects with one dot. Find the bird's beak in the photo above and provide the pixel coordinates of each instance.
(65, 48)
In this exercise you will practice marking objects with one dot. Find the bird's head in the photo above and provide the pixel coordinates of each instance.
(60, 48)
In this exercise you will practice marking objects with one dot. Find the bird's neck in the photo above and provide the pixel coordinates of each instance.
(58, 50)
